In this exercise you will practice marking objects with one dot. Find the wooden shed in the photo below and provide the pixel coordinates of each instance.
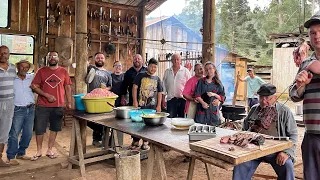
(283, 67)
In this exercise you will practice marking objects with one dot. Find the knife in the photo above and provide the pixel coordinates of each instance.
(278, 138)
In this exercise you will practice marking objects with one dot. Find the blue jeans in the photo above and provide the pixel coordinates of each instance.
(23, 120)
(246, 170)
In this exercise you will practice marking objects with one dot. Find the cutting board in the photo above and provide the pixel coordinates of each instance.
(214, 148)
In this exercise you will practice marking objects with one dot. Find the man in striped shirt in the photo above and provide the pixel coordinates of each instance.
(7, 75)
(306, 87)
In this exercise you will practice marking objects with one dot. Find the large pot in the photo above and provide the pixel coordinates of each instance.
(123, 111)
(233, 112)
(155, 119)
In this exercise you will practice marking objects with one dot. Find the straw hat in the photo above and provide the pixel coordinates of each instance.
(25, 61)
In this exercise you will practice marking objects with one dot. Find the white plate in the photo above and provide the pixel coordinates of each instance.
(91, 75)
(182, 121)
(185, 128)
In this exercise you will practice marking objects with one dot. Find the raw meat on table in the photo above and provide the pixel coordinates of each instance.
(100, 92)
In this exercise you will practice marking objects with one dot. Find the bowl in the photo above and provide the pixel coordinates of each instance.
(181, 123)
(122, 112)
(155, 119)
(99, 105)
(135, 115)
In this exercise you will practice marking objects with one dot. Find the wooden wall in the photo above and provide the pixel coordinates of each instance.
(283, 68)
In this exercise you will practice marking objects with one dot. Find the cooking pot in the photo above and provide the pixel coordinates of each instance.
(155, 119)
(123, 111)
(233, 109)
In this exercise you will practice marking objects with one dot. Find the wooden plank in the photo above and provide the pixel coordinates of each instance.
(115, 139)
(92, 154)
(14, 24)
(209, 171)
(212, 147)
(235, 89)
(79, 148)
(160, 161)
(150, 163)
(99, 158)
(53, 29)
(73, 161)
(106, 139)
(33, 23)
(65, 28)
(10, 31)
(24, 15)
(191, 168)
(72, 143)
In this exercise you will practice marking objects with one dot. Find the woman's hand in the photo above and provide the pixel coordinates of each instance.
(216, 102)
(205, 105)
(211, 94)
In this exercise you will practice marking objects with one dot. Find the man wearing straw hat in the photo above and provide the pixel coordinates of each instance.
(23, 117)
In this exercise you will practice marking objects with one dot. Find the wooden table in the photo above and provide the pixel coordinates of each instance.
(159, 137)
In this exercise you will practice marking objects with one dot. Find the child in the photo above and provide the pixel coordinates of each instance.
(209, 92)
(147, 93)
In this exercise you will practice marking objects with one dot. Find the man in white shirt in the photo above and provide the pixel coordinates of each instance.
(174, 80)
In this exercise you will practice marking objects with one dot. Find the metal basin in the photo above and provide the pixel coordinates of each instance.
(123, 111)
(155, 119)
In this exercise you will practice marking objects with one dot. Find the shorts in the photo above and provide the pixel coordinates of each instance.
(43, 114)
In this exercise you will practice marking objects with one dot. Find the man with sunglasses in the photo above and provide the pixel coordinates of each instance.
(52, 84)
(275, 119)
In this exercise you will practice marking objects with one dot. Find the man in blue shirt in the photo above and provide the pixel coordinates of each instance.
(253, 84)
(23, 117)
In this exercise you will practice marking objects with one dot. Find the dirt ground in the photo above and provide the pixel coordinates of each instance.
(56, 169)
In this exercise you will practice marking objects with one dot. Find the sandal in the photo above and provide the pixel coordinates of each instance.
(134, 145)
(35, 157)
(145, 145)
(52, 156)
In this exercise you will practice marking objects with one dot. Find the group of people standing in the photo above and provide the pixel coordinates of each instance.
(19, 113)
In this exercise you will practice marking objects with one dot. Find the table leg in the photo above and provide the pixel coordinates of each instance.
(209, 171)
(115, 139)
(106, 138)
(120, 137)
(151, 156)
(72, 144)
(191, 168)
(160, 160)
(79, 147)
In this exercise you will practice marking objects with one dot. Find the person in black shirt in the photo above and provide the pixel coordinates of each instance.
(117, 79)
(147, 93)
(129, 77)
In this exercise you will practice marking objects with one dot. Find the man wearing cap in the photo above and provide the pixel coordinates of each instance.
(23, 117)
(7, 76)
(306, 87)
(253, 84)
(275, 119)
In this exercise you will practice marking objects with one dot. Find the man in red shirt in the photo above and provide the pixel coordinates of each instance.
(51, 83)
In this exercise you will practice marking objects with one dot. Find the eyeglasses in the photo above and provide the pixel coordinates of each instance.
(117, 66)
(50, 56)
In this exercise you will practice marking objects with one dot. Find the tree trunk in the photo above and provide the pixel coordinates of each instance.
(280, 13)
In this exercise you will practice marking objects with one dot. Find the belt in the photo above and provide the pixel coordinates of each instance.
(27, 106)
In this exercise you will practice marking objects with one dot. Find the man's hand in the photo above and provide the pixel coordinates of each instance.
(51, 98)
(216, 102)
(195, 100)
(282, 158)
(135, 104)
(163, 105)
(158, 108)
(68, 106)
(303, 78)
(205, 105)
(238, 76)
(123, 101)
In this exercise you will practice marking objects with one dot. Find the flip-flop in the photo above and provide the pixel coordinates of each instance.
(145, 146)
(52, 156)
(35, 157)
(134, 145)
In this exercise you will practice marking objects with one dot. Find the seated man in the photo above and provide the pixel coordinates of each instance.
(275, 119)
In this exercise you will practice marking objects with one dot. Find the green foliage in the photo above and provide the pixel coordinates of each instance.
(244, 30)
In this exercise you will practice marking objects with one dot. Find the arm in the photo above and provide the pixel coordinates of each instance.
(158, 108)
(134, 95)
(163, 102)
(124, 89)
(36, 88)
(109, 82)
(198, 93)
(241, 79)
(297, 88)
(245, 126)
(187, 91)
(67, 89)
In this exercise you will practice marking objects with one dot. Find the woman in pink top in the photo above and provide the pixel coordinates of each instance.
(189, 88)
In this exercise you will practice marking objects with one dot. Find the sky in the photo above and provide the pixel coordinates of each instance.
(171, 7)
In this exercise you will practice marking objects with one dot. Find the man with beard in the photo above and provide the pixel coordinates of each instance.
(51, 83)
(7, 75)
(98, 77)
(129, 78)
(23, 117)
(275, 119)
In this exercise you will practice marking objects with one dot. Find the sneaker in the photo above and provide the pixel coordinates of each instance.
(13, 162)
(23, 157)
(96, 144)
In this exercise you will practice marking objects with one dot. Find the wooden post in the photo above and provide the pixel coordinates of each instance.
(142, 31)
(81, 56)
(208, 50)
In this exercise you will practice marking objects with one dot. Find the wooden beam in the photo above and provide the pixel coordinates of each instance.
(14, 24)
(81, 56)
(11, 31)
(142, 32)
(208, 53)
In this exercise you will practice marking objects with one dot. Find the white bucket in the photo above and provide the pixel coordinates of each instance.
(299, 109)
